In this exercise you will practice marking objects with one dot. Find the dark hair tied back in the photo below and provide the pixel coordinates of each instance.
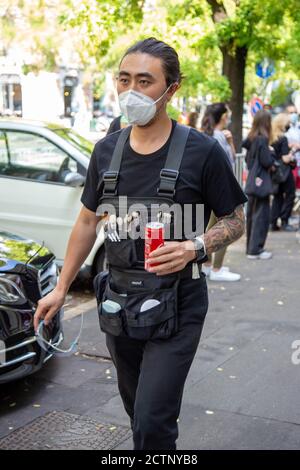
(163, 51)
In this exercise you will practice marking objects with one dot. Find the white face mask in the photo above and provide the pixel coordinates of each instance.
(137, 108)
(294, 118)
(51, 348)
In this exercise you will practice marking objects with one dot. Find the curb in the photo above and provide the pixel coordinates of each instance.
(79, 309)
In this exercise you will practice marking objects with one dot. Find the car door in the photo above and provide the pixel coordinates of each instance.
(35, 201)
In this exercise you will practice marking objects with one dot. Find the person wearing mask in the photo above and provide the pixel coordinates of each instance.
(293, 133)
(284, 197)
(259, 153)
(154, 158)
(120, 122)
(293, 136)
(214, 123)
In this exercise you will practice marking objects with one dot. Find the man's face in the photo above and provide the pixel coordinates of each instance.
(143, 73)
(227, 119)
(292, 110)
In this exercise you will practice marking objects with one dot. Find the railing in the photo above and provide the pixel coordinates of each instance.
(240, 169)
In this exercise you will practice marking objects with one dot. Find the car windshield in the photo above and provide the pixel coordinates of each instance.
(83, 145)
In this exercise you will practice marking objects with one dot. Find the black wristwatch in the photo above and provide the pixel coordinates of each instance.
(200, 250)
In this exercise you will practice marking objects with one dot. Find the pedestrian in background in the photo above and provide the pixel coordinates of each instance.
(293, 136)
(193, 119)
(284, 197)
(214, 123)
(259, 185)
(293, 133)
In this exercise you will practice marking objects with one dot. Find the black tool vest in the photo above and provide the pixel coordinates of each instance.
(128, 253)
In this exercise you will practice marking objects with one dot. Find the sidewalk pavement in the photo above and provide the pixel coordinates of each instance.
(242, 391)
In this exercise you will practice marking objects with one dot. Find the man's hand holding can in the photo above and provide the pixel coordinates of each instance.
(171, 257)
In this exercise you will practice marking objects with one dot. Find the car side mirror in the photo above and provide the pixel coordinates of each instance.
(74, 179)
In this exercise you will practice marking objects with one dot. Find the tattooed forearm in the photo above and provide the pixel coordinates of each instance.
(225, 231)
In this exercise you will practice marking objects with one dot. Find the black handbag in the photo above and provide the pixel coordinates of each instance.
(259, 181)
(281, 173)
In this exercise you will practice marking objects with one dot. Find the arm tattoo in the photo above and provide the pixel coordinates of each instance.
(225, 231)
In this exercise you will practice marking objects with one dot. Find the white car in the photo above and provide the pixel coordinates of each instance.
(42, 172)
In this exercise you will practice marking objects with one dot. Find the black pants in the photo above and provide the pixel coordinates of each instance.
(152, 374)
(258, 216)
(283, 201)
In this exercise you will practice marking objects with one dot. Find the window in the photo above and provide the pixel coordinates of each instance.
(77, 140)
(3, 151)
(33, 157)
(10, 98)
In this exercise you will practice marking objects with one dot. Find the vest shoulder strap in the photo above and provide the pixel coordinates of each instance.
(168, 174)
(110, 177)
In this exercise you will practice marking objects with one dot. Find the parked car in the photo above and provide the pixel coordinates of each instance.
(42, 172)
(27, 273)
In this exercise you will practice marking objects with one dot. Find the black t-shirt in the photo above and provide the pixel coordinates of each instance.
(281, 147)
(258, 148)
(205, 176)
(115, 125)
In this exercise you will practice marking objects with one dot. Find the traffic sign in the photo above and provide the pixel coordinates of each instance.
(256, 104)
(265, 69)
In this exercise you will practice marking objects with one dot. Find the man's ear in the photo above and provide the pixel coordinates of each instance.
(175, 86)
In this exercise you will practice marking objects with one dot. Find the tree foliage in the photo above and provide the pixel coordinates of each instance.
(98, 23)
(31, 26)
(200, 30)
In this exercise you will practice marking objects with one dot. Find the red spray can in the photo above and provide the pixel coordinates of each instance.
(154, 238)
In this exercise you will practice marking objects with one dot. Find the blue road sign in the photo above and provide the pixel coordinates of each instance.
(265, 69)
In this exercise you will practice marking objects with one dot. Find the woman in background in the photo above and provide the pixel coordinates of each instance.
(214, 123)
(192, 120)
(258, 209)
(283, 200)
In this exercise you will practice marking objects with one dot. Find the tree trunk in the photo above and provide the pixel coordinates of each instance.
(234, 67)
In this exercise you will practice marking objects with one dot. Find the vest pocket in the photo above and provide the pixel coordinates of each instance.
(157, 322)
(99, 284)
(121, 254)
(110, 322)
(135, 320)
